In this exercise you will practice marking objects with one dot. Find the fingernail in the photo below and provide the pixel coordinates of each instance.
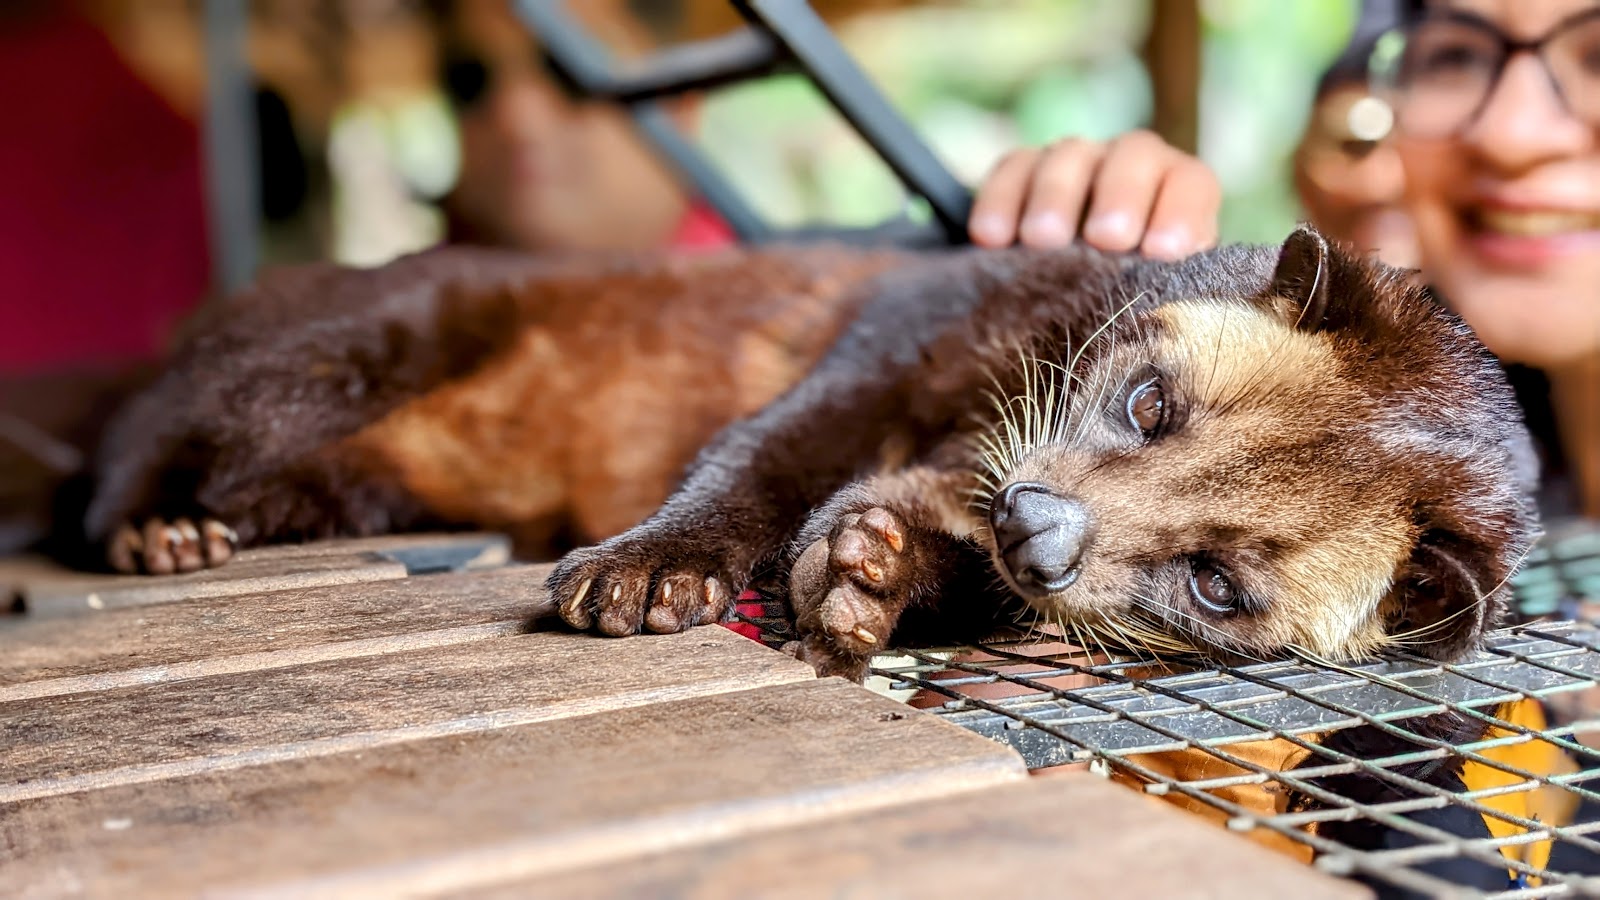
(989, 228)
(1046, 229)
(1113, 227)
(1170, 243)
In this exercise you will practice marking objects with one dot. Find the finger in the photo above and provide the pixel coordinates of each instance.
(1058, 193)
(998, 206)
(1124, 191)
(1184, 220)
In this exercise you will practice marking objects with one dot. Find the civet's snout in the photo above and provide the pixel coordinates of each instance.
(1040, 536)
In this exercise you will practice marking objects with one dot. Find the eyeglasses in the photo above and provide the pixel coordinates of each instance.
(1439, 73)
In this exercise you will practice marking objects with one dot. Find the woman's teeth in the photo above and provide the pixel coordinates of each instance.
(1534, 223)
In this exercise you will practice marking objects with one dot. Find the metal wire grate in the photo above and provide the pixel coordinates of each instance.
(1250, 747)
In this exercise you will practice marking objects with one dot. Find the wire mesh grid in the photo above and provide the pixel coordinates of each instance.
(1513, 811)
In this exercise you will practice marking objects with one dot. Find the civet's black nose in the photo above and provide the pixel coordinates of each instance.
(1040, 535)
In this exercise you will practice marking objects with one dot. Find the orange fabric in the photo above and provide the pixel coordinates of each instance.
(1538, 757)
(1264, 799)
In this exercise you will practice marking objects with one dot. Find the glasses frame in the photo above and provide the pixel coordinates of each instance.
(1388, 51)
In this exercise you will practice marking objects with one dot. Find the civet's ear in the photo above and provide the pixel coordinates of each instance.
(1303, 277)
(1456, 586)
(1445, 603)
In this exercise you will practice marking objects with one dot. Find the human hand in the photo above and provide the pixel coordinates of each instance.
(1140, 193)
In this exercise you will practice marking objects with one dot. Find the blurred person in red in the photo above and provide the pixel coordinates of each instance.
(103, 243)
(542, 170)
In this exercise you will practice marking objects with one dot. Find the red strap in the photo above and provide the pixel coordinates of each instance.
(701, 229)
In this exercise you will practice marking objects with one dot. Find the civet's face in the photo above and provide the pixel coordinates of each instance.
(1248, 476)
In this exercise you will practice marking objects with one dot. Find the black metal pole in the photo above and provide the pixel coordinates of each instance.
(231, 147)
(586, 65)
(801, 32)
(657, 125)
(746, 53)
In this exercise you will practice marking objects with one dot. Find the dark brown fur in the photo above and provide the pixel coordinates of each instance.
(1348, 449)
(560, 401)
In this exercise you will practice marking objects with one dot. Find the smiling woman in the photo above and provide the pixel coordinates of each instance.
(1498, 107)
(1498, 122)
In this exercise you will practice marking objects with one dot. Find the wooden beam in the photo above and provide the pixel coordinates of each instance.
(1172, 56)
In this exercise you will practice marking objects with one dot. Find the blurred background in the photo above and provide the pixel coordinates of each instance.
(357, 110)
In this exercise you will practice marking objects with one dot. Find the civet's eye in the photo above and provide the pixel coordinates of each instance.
(1212, 589)
(1147, 407)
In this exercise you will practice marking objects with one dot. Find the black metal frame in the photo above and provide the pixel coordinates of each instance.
(781, 35)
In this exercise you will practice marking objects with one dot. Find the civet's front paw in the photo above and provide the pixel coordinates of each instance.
(849, 590)
(642, 581)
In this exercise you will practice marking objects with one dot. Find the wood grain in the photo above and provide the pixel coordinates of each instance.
(471, 550)
(474, 809)
(48, 590)
(79, 594)
(401, 736)
(1071, 837)
(214, 635)
(147, 733)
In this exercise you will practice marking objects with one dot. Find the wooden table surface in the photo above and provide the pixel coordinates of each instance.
(325, 721)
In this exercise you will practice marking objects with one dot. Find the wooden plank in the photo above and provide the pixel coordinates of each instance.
(216, 635)
(48, 590)
(76, 593)
(16, 571)
(1172, 56)
(473, 809)
(464, 552)
(62, 744)
(1078, 836)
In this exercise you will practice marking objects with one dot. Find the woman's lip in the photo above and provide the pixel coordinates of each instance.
(1515, 251)
(1527, 237)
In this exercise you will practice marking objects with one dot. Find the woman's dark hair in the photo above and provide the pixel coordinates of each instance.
(1376, 18)
(465, 78)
